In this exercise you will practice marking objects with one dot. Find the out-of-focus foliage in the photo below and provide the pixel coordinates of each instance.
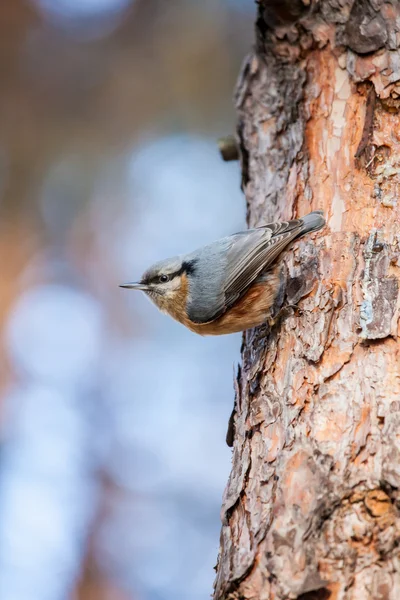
(112, 417)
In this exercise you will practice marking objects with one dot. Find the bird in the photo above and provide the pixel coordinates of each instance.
(229, 285)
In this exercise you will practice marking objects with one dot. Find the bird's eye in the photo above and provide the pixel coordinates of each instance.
(163, 278)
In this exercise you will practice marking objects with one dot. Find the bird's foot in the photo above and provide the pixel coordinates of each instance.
(283, 312)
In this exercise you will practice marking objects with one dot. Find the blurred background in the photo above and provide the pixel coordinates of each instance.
(112, 417)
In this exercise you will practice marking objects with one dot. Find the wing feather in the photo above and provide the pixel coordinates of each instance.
(255, 257)
(232, 266)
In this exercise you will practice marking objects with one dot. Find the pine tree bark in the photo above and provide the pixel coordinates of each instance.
(312, 506)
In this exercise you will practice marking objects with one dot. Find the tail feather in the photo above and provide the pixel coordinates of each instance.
(312, 222)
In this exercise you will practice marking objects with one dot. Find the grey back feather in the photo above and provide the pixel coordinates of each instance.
(224, 270)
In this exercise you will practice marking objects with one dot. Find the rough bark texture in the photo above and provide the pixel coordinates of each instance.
(312, 506)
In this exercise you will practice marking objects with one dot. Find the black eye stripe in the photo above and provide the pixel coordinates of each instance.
(188, 267)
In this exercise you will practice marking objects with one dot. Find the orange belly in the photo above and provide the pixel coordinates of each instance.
(253, 309)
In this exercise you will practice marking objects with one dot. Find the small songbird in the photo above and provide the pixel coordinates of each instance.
(229, 285)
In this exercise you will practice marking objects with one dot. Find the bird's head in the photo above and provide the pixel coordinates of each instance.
(165, 283)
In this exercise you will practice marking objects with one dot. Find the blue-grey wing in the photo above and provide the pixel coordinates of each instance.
(227, 268)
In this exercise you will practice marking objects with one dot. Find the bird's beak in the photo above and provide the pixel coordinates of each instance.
(135, 286)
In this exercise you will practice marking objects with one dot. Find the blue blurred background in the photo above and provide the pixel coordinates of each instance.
(112, 417)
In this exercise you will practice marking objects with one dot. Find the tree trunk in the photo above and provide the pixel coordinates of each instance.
(311, 509)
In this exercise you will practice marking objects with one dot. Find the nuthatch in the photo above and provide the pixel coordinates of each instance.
(226, 286)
